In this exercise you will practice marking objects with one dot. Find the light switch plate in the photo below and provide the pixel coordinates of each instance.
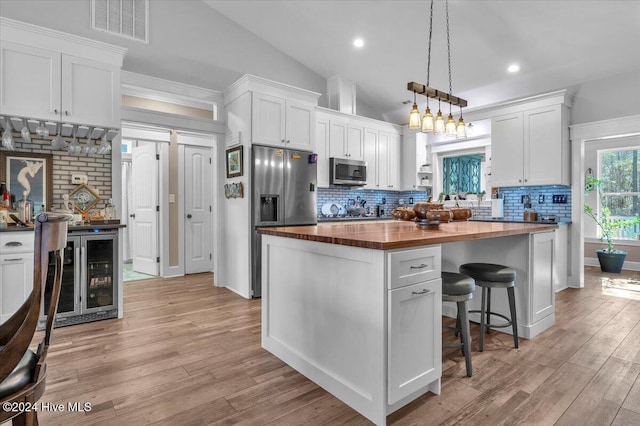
(79, 179)
(172, 198)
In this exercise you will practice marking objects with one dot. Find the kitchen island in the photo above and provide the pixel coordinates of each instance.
(357, 308)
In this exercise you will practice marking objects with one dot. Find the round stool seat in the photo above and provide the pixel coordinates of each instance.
(488, 272)
(454, 284)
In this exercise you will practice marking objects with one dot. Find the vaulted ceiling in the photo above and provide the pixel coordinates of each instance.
(559, 44)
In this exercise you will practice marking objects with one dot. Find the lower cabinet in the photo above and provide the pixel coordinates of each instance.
(415, 339)
(16, 271)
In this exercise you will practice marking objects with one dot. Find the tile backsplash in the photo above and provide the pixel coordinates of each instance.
(337, 194)
(541, 201)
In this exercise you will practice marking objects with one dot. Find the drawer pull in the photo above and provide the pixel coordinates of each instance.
(13, 244)
(422, 266)
(13, 260)
(418, 293)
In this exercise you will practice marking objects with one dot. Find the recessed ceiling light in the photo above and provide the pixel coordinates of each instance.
(358, 42)
(513, 68)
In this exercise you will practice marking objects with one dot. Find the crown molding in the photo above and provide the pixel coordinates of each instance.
(253, 83)
(47, 38)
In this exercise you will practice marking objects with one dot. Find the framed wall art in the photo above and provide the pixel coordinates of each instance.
(31, 173)
(234, 162)
(84, 198)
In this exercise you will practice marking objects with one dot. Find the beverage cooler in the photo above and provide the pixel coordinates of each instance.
(89, 289)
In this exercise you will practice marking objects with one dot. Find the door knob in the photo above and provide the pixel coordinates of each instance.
(189, 216)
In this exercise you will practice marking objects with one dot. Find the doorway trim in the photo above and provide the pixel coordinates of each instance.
(580, 134)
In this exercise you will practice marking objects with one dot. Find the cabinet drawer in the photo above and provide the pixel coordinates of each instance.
(408, 267)
(16, 242)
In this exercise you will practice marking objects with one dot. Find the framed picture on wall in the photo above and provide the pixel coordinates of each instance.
(234, 161)
(31, 173)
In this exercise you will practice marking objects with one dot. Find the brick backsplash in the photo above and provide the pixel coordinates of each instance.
(96, 167)
(336, 194)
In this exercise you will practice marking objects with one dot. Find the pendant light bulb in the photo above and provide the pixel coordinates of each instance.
(427, 121)
(450, 126)
(414, 115)
(438, 127)
(461, 129)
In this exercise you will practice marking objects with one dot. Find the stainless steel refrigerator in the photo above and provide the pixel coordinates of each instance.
(283, 194)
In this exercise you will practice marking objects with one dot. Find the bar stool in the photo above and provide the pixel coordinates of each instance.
(459, 288)
(488, 276)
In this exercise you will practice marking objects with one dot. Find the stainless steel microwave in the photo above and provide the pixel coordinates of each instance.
(347, 172)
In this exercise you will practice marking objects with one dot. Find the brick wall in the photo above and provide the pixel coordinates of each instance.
(96, 167)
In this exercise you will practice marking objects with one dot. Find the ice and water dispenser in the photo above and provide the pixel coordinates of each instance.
(269, 207)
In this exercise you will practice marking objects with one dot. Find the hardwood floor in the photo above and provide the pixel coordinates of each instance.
(188, 353)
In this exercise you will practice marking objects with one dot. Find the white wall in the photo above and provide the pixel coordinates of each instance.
(178, 30)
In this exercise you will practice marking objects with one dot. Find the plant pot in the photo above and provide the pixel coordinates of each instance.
(611, 261)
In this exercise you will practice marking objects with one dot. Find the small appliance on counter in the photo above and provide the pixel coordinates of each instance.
(497, 208)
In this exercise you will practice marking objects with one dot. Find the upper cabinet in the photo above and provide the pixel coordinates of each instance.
(416, 171)
(530, 147)
(52, 76)
(278, 121)
(358, 138)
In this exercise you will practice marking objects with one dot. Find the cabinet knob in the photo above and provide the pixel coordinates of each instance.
(189, 216)
(282, 141)
(519, 180)
(55, 111)
(526, 180)
(288, 141)
(66, 113)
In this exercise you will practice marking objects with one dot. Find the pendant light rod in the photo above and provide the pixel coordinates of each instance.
(432, 93)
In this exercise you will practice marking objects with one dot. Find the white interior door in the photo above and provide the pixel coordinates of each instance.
(197, 210)
(145, 208)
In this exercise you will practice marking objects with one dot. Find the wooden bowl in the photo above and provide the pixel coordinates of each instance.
(439, 216)
(404, 213)
(421, 209)
(461, 213)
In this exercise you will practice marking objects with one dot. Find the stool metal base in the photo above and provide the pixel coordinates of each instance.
(485, 309)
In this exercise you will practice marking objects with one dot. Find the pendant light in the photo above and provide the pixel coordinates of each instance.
(414, 115)
(427, 121)
(437, 126)
(461, 129)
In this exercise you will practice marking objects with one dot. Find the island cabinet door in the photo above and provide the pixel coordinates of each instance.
(541, 281)
(415, 339)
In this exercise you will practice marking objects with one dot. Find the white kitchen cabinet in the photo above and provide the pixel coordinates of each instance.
(371, 157)
(347, 140)
(414, 158)
(415, 338)
(52, 76)
(393, 166)
(382, 154)
(277, 121)
(541, 282)
(33, 94)
(16, 271)
(90, 92)
(530, 148)
(322, 149)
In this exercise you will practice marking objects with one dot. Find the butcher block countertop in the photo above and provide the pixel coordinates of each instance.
(398, 234)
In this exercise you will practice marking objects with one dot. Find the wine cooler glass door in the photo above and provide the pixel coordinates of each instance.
(99, 279)
(68, 304)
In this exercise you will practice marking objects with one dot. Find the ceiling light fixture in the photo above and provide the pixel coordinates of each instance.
(358, 42)
(428, 124)
(513, 68)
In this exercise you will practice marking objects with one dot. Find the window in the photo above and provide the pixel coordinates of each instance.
(619, 171)
(462, 174)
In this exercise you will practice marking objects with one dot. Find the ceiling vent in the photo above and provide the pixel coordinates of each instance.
(126, 18)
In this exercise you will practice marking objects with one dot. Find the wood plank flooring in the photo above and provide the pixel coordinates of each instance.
(188, 353)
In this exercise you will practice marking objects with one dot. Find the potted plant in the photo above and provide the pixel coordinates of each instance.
(611, 259)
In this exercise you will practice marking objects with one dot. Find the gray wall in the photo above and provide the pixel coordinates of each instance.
(178, 30)
(607, 98)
